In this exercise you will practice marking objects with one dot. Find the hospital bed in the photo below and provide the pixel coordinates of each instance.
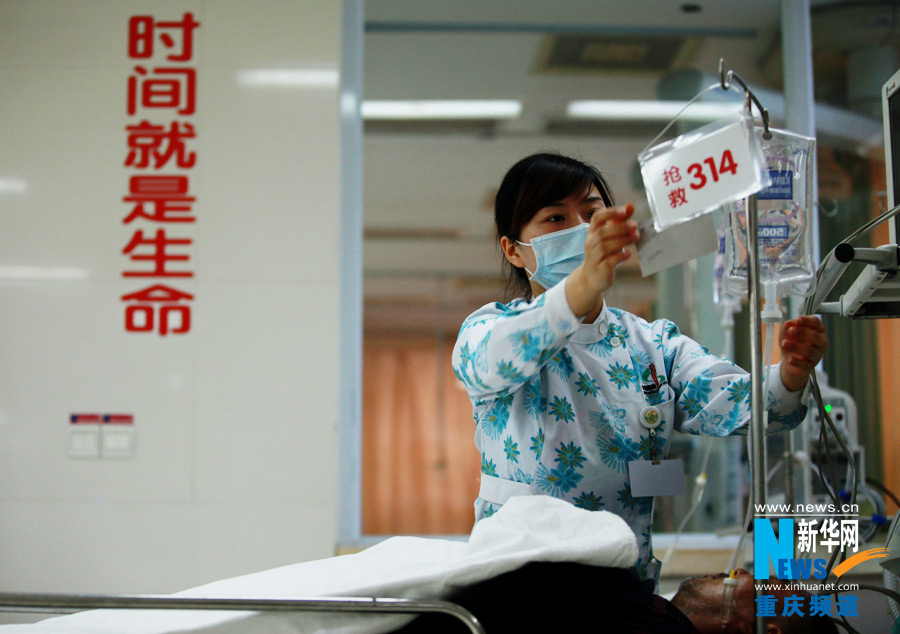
(53, 603)
(402, 575)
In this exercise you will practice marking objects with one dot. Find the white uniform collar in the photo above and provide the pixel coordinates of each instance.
(592, 333)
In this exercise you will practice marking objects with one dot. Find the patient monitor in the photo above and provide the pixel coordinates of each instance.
(890, 108)
(876, 291)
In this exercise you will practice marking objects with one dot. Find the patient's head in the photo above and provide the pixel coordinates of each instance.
(701, 600)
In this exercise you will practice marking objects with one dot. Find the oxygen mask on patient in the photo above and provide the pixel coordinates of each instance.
(784, 214)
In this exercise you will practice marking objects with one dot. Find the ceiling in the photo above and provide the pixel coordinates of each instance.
(430, 255)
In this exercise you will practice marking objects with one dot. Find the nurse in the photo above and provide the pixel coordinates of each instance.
(570, 393)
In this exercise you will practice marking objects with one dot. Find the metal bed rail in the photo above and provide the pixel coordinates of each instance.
(68, 603)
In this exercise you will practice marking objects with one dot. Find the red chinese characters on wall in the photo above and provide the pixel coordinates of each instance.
(161, 100)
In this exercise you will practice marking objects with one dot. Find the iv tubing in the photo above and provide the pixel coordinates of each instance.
(699, 487)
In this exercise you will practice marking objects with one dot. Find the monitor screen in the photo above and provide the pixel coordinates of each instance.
(890, 96)
(894, 114)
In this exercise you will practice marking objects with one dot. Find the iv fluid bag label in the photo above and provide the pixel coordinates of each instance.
(773, 234)
(782, 187)
(784, 210)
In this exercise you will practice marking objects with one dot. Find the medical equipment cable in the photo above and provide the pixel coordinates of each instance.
(863, 586)
(809, 307)
(827, 423)
(774, 470)
(826, 418)
(891, 581)
(878, 485)
(880, 511)
(823, 436)
(827, 483)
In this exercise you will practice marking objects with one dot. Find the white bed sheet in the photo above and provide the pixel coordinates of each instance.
(525, 529)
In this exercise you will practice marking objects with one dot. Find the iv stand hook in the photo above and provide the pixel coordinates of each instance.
(725, 80)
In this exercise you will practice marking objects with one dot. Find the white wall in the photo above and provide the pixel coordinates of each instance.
(236, 420)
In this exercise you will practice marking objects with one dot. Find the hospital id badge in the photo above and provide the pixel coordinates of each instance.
(648, 478)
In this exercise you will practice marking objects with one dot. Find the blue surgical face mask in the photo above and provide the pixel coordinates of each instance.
(557, 254)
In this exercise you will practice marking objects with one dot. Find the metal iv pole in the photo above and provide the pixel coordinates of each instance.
(757, 429)
(757, 421)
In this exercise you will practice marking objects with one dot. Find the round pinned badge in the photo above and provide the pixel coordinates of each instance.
(651, 417)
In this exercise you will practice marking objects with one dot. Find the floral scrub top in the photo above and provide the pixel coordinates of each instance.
(558, 404)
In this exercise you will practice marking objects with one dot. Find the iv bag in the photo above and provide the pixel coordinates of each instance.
(719, 291)
(784, 213)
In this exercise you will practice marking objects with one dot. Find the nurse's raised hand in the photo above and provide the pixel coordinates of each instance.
(611, 231)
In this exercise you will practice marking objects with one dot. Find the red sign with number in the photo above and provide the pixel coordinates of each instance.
(700, 171)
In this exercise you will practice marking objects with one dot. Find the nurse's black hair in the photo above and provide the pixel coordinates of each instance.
(530, 185)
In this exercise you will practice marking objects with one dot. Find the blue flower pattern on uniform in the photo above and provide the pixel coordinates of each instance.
(511, 449)
(561, 364)
(586, 385)
(622, 376)
(711, 423)
(697, 393)
(535, 403)
(630, 502)
(558, 481)
(494, 420)
(610, 417)
(521, 476)
(589, 501)
(537, 378)
(639, 359)
(537, 443)
(509, 372)
(561, 409)
(739, 391)
(617, 451)
(569, 456)
(778, 418)
(529, 345)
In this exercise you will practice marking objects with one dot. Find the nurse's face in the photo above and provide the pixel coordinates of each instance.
(564, 214)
